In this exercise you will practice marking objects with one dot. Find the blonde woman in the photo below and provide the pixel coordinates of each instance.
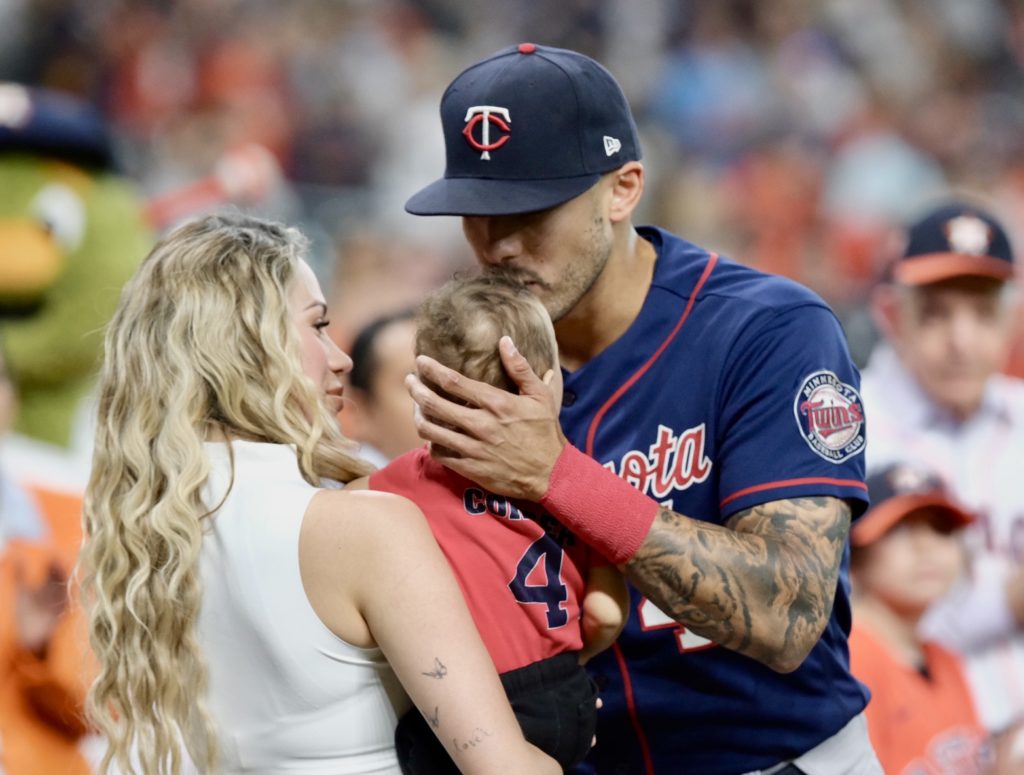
(240, 609)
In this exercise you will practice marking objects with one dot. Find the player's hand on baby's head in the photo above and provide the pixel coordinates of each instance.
(517, 367)
(506, 442)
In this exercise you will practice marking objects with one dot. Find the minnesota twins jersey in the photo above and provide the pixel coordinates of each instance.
(523, 573)
(730, 389)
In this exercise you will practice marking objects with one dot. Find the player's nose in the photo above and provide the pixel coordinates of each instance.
(495, 240)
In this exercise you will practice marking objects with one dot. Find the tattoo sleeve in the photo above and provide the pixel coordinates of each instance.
(762, 585)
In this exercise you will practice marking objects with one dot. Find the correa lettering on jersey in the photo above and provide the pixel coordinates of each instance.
(673, 462)
(478, 501)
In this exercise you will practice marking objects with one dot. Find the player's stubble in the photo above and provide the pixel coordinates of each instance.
(576, 277)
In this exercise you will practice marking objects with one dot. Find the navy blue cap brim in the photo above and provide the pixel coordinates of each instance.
(484, 196)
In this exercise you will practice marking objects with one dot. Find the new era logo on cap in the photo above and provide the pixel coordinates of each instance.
(526, 129)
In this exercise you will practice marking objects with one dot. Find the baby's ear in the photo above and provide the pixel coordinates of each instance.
(548, 376)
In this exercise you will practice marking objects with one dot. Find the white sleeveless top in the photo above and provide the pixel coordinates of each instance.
(286, 694)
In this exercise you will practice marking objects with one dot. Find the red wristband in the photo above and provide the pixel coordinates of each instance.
(605, 511)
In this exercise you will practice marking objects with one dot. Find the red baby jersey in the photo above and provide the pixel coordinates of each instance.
(522, 572)
(920, 724)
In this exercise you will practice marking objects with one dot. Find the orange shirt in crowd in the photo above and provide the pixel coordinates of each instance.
(41, 696)
(920, 723)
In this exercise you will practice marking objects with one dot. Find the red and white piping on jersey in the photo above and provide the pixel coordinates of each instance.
(592, 430)
(792, 483)
(627, 683)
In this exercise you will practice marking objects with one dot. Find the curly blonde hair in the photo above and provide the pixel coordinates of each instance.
(201, 346)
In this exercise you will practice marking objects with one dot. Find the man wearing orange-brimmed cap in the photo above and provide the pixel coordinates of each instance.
(934, 394)
(905, 555)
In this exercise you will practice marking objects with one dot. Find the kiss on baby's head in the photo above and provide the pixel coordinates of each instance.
(460, 325)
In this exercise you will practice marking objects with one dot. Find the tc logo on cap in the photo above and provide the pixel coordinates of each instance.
(484, 116)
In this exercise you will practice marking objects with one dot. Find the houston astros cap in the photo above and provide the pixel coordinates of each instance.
(526, 129)
(898, 491)
(954, 240)
(54, 124)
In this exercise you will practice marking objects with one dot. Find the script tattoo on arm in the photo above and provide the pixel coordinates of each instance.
(762, 585)
(478, 736)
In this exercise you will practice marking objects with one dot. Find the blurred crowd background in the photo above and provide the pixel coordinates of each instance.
(795, 135)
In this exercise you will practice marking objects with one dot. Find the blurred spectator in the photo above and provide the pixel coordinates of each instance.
(376, 273)
(378, 411)
(933, 394)
(42, 683)
(714, 94)
(872, 182)
(905, 555)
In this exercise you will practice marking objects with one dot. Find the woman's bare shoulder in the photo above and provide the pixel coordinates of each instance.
(353, 513)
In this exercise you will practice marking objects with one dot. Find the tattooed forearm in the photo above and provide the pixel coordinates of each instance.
(439, 671)
(763, 585)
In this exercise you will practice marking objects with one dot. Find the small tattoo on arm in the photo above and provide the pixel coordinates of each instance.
(439, 671)
(478, 736)
(435, 720)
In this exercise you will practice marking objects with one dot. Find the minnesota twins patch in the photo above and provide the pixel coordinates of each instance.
(830, 416)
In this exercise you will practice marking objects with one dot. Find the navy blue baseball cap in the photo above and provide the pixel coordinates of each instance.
(53, 124)
(526, 129)
(902, 489)
(957, 239)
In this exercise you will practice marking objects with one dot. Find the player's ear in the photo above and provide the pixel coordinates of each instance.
(886, 309)
(627, 186)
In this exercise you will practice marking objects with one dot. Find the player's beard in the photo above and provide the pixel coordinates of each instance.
(581, 274)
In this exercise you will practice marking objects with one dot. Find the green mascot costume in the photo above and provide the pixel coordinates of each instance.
(72, 230)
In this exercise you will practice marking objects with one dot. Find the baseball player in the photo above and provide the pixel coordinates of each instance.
(542, 599)
(935, 395)
(713, 432)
